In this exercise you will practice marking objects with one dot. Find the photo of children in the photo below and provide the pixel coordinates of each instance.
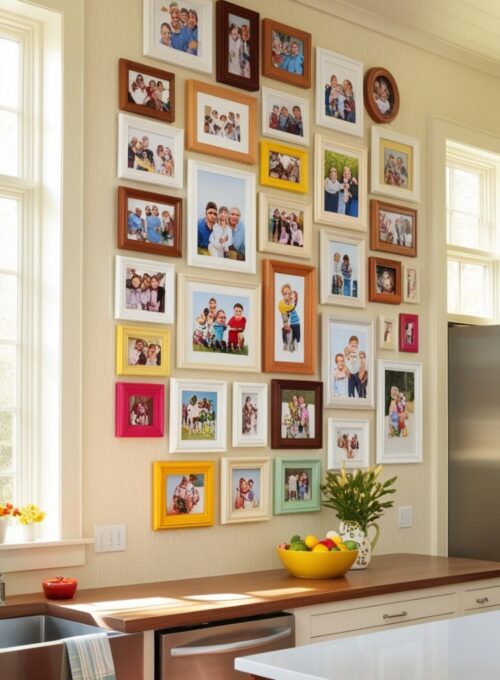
(149, 222)
(145, 90)
(176, 26)
(220, 323)
(349, 347)
(287, 53)
(245, 485)
(284, 167)
(349, 446)
(297, 414)
(141, 410)
(343, 260)
(249, 414)
(396, 163)
(285, 227)
(144, 351)
(383, 96)
(297, 483)
(185, 494)
(289, 315)
(199, 416)
(238, 55)
(144, 290)
(386, 280)
(399, 413)
(396, 229)
(339, 95)
(341, 185)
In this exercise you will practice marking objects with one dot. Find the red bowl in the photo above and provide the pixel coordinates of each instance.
(59, 588)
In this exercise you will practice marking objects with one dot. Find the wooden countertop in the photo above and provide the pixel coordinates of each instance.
(149, 606)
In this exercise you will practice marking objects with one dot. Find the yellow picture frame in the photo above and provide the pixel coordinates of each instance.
(183, 494)
(127, 341)
(275, 176)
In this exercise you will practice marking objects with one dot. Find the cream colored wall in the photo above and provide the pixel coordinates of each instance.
(117, 472)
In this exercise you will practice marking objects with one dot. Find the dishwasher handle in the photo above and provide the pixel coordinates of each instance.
(230, 646)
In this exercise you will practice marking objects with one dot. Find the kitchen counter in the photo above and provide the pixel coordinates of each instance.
(150, 606)
(459, 649)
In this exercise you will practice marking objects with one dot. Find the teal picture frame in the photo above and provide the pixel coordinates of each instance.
(289, 500)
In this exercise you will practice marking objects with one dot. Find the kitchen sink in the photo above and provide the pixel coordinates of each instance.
(32, 630)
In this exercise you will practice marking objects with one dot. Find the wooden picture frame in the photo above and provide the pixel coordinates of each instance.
(342, 269)
(203, 426)
(132, 229)
(139, 410)
(299, 355)
(381, 95)
(132, 85)
(242, 69)
(384, 280)
(283, 167)
(301, 495)
(348, 443)
(277, 38)
(183, 494)
(408, 333)
(393, 228)
(249, 414)
(399, 412)
(133, 341)
(203, 134)
(293, 426)
(387, 332)
(395, 165)
(285, 116)
(411, 283)
(244, 490)
(271, 236)
(193, 51)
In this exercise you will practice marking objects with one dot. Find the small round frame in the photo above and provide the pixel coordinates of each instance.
(381, 95)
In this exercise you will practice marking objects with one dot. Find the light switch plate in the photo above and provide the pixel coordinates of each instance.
(405, 516)
(110, 538)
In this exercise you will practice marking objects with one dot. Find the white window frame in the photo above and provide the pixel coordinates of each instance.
(57, 24)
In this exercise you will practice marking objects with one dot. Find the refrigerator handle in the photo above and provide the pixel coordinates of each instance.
(230, 646)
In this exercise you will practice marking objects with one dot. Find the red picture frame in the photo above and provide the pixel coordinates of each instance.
(408, 332)
(139, 410)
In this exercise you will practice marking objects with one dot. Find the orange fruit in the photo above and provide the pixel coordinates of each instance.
(320, 547)
(311, 541)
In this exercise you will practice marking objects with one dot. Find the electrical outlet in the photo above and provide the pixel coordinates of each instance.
(405, 516)
(110, 538)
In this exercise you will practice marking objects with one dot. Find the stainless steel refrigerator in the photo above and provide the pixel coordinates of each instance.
(474, 442)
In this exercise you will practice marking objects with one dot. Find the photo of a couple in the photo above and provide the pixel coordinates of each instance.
(144, 352)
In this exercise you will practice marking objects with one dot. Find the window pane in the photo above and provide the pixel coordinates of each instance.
(8, 307)
(9, 220)
(464, 230)
(9, 158)
(9, 92)
(473, 286)
(453, 287)
(6, 489)
(7, 441)
(466, 191)
(8, 365)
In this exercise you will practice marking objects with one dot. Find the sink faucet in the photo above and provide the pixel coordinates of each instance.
(2, 591)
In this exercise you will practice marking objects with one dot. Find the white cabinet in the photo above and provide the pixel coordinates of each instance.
(485, 595)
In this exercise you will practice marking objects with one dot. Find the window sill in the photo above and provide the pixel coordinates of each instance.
(42, 554)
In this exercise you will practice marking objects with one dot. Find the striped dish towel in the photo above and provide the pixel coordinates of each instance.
(90, 657)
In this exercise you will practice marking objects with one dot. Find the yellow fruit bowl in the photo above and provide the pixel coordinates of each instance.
(317, 564)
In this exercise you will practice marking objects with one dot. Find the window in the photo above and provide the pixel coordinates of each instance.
(472, 176)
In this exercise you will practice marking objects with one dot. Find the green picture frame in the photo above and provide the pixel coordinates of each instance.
(304, 494)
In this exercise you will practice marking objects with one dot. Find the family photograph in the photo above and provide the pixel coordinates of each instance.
(145, 290)
(151, 222)
(341, 186)
(297, 484)
(246, 488)
(238, 52)
(185, 494)
(297, 414)
(150, 153)
(179, 28)
(350, 372)
(199, 416)
(144, 352)
(220, 323)
(286, 227)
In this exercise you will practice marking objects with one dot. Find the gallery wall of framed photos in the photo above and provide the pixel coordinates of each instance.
(262, 226)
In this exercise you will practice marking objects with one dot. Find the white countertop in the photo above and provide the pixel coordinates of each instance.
(461, 648)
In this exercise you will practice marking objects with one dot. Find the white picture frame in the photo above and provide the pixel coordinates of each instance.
(348, 444)
(130, 127)
(399, 425)
(388, 332)
(338, 113)
(411, 284)
(144, 304)
(342, 390)
(250, 417)
(303, 212)
(236, 487)
(185, 432)
(226, 187)
(335, 246)
(330, 154)
(387, 143)
(278, 98)
(194, 296)
(155, 13)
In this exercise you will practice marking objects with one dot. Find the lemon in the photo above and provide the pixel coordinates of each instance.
(342, 547)
(311, 541)
(320, 547)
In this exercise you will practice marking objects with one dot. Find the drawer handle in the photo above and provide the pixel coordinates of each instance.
(482, 600)
(395, 616)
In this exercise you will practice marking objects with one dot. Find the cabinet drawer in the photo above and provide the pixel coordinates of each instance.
(392, 613)
(482, 597)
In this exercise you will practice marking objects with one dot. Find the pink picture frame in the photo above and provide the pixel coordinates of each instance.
(408, 332)
(139, 410)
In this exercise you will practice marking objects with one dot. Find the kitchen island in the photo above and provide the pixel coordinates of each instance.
(454, 649)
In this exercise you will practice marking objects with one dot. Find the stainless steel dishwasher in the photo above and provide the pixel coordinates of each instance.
(208, 652)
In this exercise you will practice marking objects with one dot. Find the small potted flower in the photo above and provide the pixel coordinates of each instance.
(356, 498)
(7, 510)
(29, 516)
